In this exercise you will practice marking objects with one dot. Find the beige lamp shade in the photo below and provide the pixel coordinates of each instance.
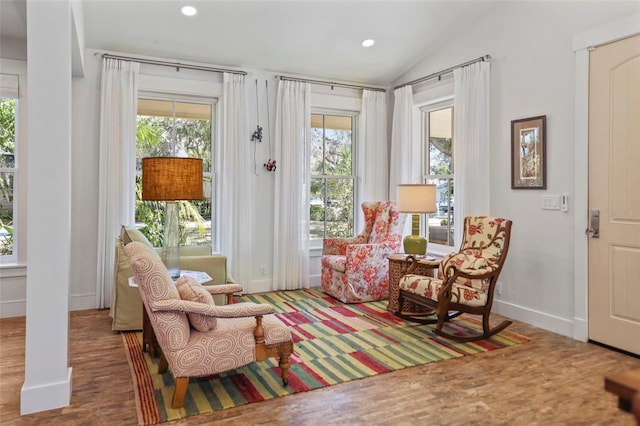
(416, 198)
(171, 179)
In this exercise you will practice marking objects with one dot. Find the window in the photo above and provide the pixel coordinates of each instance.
(8, 108)
(181, 128)
(438, 164)
(331, 195)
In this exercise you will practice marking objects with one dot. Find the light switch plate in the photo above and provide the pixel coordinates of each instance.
(550, 202)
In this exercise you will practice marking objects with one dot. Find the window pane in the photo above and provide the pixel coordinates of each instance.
(6, 213)
(317, 209)
(440, 146)
(339, 208)
(441, 222)
(183, 129)
(338, 147)
(317, 144)
(7, 161)
(440, 157)
(331, 199)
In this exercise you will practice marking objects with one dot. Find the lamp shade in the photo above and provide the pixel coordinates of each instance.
(416, 198)
(171, 179)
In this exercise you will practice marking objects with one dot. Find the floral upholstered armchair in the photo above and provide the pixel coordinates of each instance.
(198, 338)
(466, 280)
(356, 269)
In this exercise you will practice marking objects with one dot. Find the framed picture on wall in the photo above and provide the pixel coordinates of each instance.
(528, 153)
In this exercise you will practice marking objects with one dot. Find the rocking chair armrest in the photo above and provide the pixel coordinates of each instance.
(236, 310)
(223, 288)
(476, 274)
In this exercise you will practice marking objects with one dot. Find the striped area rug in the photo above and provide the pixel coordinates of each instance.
(333, 343)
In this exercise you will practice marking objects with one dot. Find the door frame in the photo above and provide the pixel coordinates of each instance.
(582, 43)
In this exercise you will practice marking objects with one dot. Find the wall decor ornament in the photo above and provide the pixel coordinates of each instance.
(528, 153)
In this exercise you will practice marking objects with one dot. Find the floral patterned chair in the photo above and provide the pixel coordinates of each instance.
(356, 269)
(198, 338)
(466, 280)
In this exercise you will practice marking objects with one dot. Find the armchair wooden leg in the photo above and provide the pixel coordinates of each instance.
(285, 352)
(182, 383)
(163, 365)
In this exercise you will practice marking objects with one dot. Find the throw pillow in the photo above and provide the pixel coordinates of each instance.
(191, 290)
(129, 234)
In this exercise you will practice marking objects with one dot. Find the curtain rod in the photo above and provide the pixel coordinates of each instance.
(176, 65)
(443, 72)
(330, 83)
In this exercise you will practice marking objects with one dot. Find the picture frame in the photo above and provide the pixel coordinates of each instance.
(528, 153)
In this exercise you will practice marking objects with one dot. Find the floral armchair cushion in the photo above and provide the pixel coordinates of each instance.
(356, 269)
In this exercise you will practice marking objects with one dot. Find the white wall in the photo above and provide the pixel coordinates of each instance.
(532, 73)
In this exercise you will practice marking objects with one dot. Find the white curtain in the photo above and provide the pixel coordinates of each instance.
(116, 191)
(405, 151)
(373, 156)
(471, 131)
(291, 196)
(235, 172)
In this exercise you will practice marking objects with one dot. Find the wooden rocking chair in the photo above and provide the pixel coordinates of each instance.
(466, 280)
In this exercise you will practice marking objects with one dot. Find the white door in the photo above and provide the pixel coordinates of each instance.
(614, 194)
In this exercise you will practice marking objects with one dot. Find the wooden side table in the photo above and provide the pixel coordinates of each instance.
(624, 385)
(397, 266)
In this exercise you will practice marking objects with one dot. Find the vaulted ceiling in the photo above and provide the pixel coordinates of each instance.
(313, 38)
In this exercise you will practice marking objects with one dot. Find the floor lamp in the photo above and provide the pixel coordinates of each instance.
(171, 179)
(416, 199)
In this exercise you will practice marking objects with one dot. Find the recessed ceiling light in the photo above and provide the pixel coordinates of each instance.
(188, 10)
(368, 42)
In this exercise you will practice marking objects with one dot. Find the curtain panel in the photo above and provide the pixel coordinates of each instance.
(291, 192)
(373, 155)
(471, 109)
(116, 192)
(405, 164)
(235, 173)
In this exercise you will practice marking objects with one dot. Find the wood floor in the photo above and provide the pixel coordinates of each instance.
(552, 380)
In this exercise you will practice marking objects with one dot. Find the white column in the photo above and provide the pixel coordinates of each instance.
(47, 382)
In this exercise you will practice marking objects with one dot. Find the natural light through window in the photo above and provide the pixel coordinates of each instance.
(332, 176)
(438, 125)
(180, 128)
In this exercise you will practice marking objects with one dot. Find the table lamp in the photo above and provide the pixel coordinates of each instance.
(171, 179)
(416, 199)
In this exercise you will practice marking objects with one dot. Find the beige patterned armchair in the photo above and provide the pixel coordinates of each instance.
(196, 337)
(466, 280)
(356, 269)
(126, 306)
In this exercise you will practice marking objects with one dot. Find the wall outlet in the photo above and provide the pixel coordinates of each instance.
(263, 270)
(499, 288)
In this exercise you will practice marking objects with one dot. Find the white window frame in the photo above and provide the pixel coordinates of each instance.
(355, 176)
(423, 110)
(19, 69)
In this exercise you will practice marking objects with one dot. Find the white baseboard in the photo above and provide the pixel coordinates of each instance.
(18, 307)
(258, 286)
(535, 318)
(13, 308)
(48, 396)
(262, 286)
(80, 302)
(580, 329)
